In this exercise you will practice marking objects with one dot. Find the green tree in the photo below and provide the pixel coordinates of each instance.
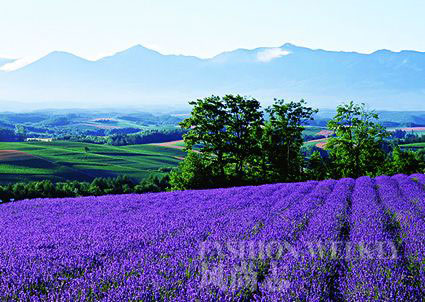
(243, 123)
(406, 162)
(20, 132)
(316, 167)
(282, 140)
(207, 127)
(356, 149)
(194, 172)
(226, 129)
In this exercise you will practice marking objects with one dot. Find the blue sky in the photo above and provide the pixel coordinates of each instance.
(95, 28)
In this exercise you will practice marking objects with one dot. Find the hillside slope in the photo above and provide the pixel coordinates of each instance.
(65, 160)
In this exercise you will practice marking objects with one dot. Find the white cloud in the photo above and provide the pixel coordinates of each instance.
(271, 53)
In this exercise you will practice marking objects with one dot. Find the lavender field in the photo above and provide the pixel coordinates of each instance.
(345, 240)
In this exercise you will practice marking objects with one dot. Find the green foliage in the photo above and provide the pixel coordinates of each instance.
(153, 183)
(8, 135)
(98, 187)
(20, 133)
(226, 129)
(282, 140)
(406, 162)
(146, 137)
(195, 172)
(243, 125)
(317, 167)
(357, 148)
(207, 126)
(238, 147)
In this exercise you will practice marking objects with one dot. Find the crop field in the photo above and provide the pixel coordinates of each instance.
(176, 145)
(345, 240)
(319, 143)
(61, 160)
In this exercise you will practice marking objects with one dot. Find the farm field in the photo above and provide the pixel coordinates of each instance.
(175, 145)
(345, 240)
(319, 143)
(61, 160)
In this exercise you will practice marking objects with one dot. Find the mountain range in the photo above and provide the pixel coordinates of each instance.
(142, 78)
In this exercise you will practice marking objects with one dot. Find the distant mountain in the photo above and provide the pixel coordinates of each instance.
(140, 77)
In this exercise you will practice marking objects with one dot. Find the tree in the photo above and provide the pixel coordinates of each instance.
(282, 140)
(226, 129)
(317, 167)
(356, 149)
(243, 123)
(207, 127)
(407, 162)
(20, 133)
(194, 172)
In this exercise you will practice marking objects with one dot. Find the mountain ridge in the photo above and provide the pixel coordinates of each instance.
(140, 76)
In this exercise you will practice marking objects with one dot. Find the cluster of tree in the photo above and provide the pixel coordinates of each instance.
(239, 146)
(148, 119)
(9, 135)
(147, 137)
(411, 138)
(312, 137)
(55, 121)
(98, 187)
(127, 136)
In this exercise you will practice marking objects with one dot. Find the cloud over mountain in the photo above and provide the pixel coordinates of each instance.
(271, 53)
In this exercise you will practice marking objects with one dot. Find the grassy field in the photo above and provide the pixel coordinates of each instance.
(61, 160)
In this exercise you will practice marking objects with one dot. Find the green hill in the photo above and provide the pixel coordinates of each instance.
(62, 160)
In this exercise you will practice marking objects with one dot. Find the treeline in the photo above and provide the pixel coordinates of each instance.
(9, 135)
(412, 138)
(120, 138)
(239, 146)
(98, 187)
(147, 137)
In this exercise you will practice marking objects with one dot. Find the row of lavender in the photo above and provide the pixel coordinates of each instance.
(331, 240)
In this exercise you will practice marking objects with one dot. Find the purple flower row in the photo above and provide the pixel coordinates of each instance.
(329, 240)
